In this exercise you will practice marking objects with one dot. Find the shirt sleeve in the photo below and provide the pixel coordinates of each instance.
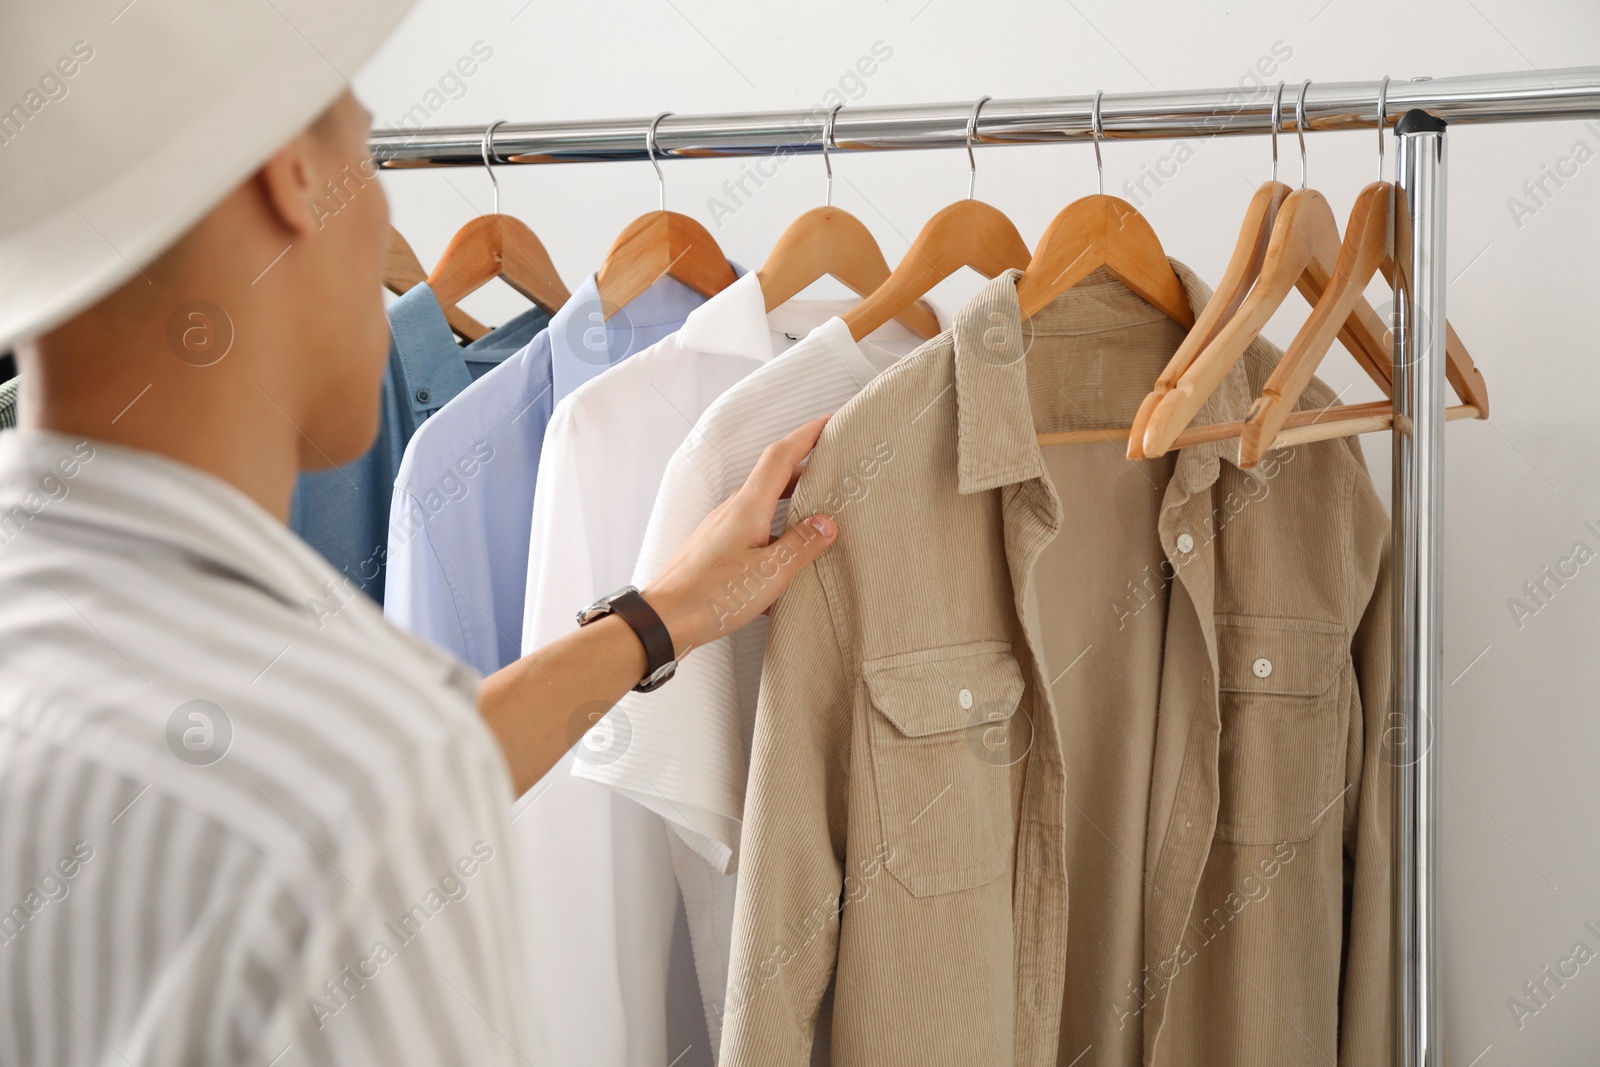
(685, 754)
(786, 918)
(1368, 997)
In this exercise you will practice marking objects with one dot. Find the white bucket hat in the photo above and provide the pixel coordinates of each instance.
(119, 130)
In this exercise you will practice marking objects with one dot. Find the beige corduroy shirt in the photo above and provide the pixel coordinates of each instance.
(1024, 675)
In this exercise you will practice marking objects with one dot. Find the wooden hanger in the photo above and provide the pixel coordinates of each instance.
(1101, 231)
(1241, 273)
(1244, 266)
(1337, 273)
(1368, 244)
(1367, 239)
(496, 246)
(1301, 254)
(402, 271)
(1368, 248)
(660, 244)
(967, 233)
(830, 242)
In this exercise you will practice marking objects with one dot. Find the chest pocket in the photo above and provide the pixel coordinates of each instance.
(943, 742)
(1283, 710)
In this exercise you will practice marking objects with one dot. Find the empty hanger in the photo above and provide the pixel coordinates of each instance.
(830, 242)
(660, 244)
(1301, 254)
(1243, 268)
(402, 271)
(1101, 231)
(1368, 241)
(496, 246)
(968, 233)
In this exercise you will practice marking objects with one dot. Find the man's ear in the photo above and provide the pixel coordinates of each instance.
(288, 185)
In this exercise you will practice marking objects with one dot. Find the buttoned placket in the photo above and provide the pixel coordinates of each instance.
(1188, 538)
(1032, 516)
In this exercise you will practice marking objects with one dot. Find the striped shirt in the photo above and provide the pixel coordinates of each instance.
(243, 820)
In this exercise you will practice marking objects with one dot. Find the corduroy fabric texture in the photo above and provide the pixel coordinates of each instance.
(906, 815)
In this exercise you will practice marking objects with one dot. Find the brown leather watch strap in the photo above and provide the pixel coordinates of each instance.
(637, 613)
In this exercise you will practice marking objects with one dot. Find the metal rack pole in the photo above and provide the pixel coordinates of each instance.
(1418, 516)
(1572, 92)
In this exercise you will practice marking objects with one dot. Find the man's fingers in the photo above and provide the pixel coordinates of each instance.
(802, 543)
(775, 470)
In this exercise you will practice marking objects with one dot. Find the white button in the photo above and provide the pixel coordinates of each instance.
(1188, 824)
(965, 696)
(1262, 667)
(1185, 543)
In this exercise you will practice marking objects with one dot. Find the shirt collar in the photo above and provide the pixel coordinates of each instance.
(136, 500)
(732, 323)
(143, 496)
(995, 443)
(509, 336)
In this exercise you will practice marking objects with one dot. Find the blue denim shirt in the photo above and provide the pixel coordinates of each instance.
(343, 512)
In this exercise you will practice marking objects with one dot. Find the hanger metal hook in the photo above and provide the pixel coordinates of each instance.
(1277, 120)
(650, 147)
(972, 129)
(488, 150)
(1300, 127)
(1098, 131)
(1383, 114)
(827, 142)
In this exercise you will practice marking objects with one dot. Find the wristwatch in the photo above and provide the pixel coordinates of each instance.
(634, 610)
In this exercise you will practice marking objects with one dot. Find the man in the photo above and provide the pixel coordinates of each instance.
(242, 819)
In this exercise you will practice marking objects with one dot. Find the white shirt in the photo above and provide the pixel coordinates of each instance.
(243, 820)
(688, 744)
(605, 881)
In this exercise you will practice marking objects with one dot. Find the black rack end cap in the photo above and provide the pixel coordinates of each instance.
(1418, 121)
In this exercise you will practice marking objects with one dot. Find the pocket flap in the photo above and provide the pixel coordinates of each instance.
(1290, 657)
(940, 689)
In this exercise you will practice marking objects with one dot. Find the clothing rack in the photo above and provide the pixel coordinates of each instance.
(1420, 110)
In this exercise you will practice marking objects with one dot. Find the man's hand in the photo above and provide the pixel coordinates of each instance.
(728, 572)
(731, 570)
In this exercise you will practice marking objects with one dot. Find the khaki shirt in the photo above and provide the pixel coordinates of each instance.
(909, 817)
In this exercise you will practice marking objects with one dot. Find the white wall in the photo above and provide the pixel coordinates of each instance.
(1521, 731)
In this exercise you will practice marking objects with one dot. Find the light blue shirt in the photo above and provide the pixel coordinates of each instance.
(343, 512)
(463, 498)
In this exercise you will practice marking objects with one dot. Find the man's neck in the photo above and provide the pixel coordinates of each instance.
(226, 419)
